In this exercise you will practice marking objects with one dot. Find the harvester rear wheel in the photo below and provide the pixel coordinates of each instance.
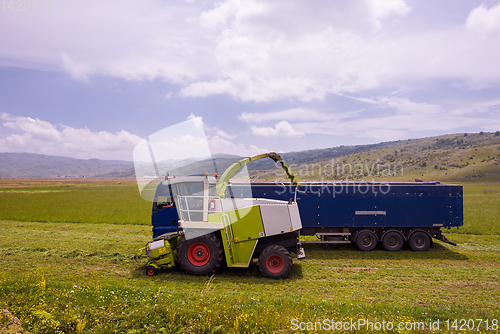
(200, 256)
(275, 262)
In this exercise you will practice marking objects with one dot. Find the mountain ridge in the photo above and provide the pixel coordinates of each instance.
(463, 154)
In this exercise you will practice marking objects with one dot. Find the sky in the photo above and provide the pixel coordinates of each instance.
(90, 79)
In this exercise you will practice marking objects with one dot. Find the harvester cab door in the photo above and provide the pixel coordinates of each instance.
(195, 199)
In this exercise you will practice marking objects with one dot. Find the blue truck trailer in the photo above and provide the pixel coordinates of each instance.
(364, 213)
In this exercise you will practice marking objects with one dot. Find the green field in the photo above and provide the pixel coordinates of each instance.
(481, 208)
(67, 253)
(73, 200)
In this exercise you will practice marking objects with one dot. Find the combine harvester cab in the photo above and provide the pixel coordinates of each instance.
(213, 228)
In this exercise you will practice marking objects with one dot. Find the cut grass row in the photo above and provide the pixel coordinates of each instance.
(76, 278)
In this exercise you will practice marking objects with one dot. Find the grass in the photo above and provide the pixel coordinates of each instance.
(481, 208)
(74, 277)
(74, 271)
(73, 200)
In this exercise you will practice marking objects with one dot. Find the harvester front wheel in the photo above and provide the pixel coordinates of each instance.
(151, 271)
(200, 256)
(275, 262)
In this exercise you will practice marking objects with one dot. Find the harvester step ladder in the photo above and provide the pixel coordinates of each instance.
(240, 265)
(229, 234)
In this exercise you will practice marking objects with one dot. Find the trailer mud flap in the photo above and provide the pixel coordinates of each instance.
(301, 254)
(443, 239)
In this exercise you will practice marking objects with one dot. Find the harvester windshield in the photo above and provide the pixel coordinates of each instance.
(193, 198)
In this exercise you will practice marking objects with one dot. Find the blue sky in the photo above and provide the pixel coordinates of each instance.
(89, 79)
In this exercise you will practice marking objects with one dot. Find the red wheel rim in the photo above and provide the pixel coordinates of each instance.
(151, 271)
(198, 254)
(275, 264)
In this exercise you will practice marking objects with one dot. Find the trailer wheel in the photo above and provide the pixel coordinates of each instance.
(151, 271)
(275, 262)
(393, 241)
(366, 240)
(200, 256)
(419, 241)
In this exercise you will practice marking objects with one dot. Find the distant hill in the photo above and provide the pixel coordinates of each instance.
(39, 165)
(453, 157)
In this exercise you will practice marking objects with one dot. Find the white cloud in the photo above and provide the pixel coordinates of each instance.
(37, 136)
(295, 115)
(173, 145)
(484, 21)
(146, 40)
(208, 140)
(338, 47)
(386, 8)
(37, 129)
(230, 10)
(282, 15)
(282, 129)
(225, 135)
(400, 118)
(384, 118)
(220, 145)
(253, 50)
(78, 71)
(264, 54)
(214, 131)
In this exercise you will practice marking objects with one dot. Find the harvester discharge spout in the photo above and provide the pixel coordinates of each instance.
(231, 170)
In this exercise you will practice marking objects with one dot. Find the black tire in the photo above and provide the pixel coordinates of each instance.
(151, 271)
(419, 241)
(366, 240)
(200, 256)
(275, 262)
(393, 241)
